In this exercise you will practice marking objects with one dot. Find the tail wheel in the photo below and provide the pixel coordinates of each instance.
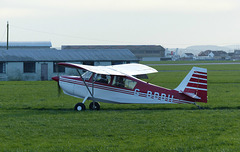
(79, 107)
(94, 106)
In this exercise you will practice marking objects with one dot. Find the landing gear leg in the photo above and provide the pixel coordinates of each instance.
(94, 106)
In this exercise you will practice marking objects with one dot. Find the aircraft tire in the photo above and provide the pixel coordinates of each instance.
(96, 107)
(79, 107)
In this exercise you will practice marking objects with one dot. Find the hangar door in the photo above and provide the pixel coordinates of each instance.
(44, 71)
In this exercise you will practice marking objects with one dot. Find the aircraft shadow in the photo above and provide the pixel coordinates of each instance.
(166, 109)
(139, 109)
(130, 109)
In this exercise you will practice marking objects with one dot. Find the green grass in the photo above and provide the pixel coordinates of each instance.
(34, 118)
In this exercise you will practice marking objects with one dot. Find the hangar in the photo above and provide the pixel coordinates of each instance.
(36, 64)
(142, 52)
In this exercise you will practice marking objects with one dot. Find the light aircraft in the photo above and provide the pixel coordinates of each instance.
(118, 84)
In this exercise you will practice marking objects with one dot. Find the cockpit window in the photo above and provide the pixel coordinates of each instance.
(87, 75)
(122, 82)
(102, 78)
(130, 84)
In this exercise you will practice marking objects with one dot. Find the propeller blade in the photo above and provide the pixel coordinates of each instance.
(59, 89)
(56, 78)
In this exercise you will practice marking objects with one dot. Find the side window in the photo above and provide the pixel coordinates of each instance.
(118, 81)
(102, 78)
(123, 82)
(130, 84)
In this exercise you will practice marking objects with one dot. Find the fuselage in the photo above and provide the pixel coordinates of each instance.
(133, 91)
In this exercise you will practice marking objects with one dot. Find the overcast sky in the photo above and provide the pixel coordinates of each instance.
(170, 23)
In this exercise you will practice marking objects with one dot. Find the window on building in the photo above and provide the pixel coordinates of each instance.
(156, 52)
(117, 62)
(29, 67)
(137, 51)
(149, 52)
(57, 68)
(2, 67)
(88, 63)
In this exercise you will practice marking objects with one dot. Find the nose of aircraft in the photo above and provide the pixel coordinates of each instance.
(56, 78)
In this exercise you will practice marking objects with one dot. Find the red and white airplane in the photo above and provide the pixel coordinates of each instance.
(118, 84)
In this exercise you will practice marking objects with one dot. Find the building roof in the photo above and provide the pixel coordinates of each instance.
(189, 54)
(130, 47)
(216, 53)
(219, 53)
(16, 55)
(204, 53)
(236, 51)
(35, 44)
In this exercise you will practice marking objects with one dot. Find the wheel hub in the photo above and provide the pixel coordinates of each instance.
(79, 108)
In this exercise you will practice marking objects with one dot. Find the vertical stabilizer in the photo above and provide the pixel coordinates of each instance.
(194, 84)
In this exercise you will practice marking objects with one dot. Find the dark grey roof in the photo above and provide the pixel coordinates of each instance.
(219, 53)
(189, 54)
(15, 55)
(27, 44)
(130, 47)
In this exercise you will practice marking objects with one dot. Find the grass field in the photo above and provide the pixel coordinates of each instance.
(34, 118)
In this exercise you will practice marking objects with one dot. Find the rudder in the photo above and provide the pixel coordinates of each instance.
(194, 84)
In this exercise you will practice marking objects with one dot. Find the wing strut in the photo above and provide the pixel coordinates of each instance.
(85, 83)
(91, 93)
(93, 80)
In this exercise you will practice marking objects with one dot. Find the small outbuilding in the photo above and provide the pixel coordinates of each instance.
(213, 55)
(41, 64)
(187, 56)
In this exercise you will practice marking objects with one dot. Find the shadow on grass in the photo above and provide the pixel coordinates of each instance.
(137, 108)
(48, 109)
(222, 108)
(166, 109)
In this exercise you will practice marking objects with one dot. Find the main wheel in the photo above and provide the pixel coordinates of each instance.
(79, 107)
(95, 106)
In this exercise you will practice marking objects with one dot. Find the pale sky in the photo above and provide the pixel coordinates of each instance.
(170, 23)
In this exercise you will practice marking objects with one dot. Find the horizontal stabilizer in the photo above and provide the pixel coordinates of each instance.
(192, 95)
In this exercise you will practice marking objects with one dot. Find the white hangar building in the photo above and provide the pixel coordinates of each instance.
(34, 64)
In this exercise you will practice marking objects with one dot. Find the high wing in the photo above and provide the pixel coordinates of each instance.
(122, 69)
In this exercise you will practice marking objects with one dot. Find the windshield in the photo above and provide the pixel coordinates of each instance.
(87, 75)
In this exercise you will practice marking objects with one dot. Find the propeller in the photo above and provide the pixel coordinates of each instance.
(58, 83)
(59, 88)
(57, 78)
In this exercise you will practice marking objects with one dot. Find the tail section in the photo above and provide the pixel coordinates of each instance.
(194, 85)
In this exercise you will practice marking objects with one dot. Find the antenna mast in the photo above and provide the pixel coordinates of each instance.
(7, 34)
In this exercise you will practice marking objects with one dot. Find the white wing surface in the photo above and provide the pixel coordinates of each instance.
(122, 69)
